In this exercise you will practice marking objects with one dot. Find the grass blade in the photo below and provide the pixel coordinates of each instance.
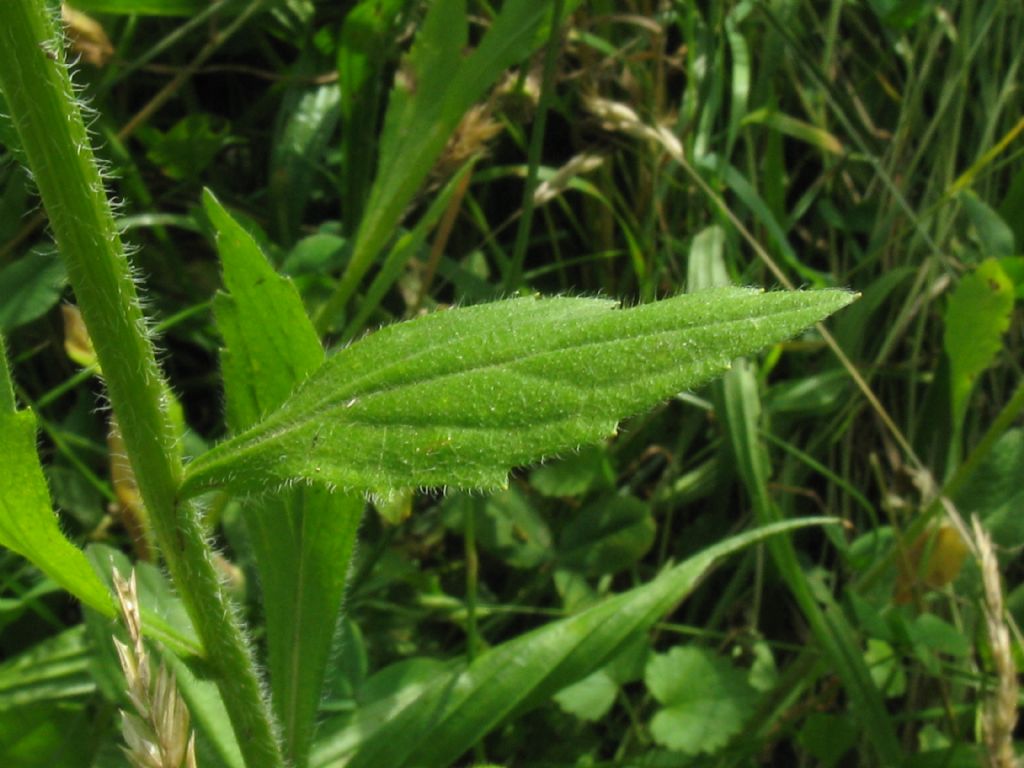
(439, 84)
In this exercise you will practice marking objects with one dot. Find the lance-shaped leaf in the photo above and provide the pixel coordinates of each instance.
(270, 344)
(303, 538)
(460, 397)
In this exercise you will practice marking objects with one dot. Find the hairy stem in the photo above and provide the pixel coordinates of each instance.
(41, 104)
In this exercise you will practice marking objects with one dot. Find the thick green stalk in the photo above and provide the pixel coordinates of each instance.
(42, 106)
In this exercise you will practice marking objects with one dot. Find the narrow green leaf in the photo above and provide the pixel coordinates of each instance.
(459, 397)
(308, 117)
(54, 669)
(445, 715)
(438, 83)
(302, 538)
(207, 712)
(303, 542)
(798, 129)
(739, 53)
(363, 51)
(994, 235)
(740, 410)
(30, 286)
(270, 342)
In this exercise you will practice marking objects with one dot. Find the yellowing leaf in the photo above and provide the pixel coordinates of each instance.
(933, 561)
(87, 37)
(77, 343)
(130, 510)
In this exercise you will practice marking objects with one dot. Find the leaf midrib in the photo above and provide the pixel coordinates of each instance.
(350, 389)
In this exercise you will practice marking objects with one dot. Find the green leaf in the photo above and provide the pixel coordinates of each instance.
(434, 721)
(886, 669)
(797, 129)
(207, 712)
(188, 147)
(308, 117)
(164, 617)
(939, 636)
(995, 493)
(302, 538)
(54, 669)
(459, 397)
(507, 525)
(607, 536)
(590, 698)
(575, 475)
(827, 737)
(367, 38)
(316, 254)
(28, 524)
(705, 267)
(266, 352)
(30, 286)
(303, 542)
(976, 318)
(994, 235)
(901, 14)
(705, 700)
